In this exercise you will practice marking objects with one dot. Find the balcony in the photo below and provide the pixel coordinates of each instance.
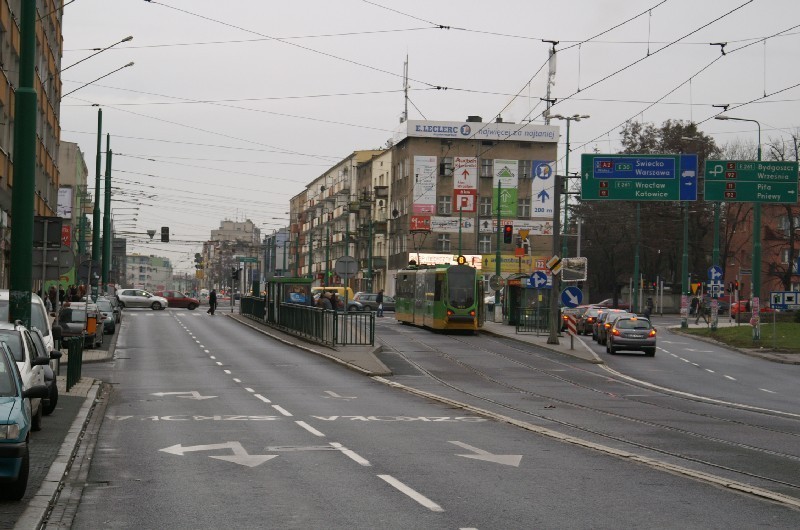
(381, 192)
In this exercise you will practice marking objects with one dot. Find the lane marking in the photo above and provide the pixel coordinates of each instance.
(262, 398)
(281, 410)
(211, 357)
(249, 390)
(710, 371)
(219, 363)
(731, 378)
(310, 429)
(351, 454)
(765, 390)
(421, 499)
(227, 372)
(235, 380)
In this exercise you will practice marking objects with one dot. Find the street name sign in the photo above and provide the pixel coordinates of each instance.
(639, 177)
(749, 181)
(246, 259)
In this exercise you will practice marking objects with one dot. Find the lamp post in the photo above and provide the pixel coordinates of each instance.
(96, 80)
(756, 264)
(126, 39)
(568, 119)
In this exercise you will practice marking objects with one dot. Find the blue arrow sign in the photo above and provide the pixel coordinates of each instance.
(715, 273)
(571, 297)
(688, 176)
(539, 280)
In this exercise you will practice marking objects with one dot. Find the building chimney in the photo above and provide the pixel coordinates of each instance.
(476, 119)
(499, 119)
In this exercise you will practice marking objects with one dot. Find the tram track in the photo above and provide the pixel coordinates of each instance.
(627, 441)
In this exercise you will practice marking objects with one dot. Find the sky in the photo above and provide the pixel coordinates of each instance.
(231, 108)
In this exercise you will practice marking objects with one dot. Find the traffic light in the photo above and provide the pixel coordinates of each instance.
(165, 234)
(736, 285)
(508, 233)
(235, 273)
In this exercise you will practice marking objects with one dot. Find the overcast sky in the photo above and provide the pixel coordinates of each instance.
(232, 107)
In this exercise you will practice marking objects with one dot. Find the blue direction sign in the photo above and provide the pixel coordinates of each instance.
(539, 280)
(571, 297)
(715, 273)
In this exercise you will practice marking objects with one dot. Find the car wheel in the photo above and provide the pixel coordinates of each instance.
(121, 304)
(51, 406)
(156, 306)
(191, 307)
(16, 490)
(651, 352)
(36, 420)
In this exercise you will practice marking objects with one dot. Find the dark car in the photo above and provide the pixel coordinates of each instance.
(584, 323)
(607, 320)
(73, 317)
(609, 303)
(109, 320)
(369, 303)
(632, 334)
(178, 299)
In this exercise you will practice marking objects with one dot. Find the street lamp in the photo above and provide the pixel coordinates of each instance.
(568, 119)
(756, 277)
(98, 79)
(126, 39)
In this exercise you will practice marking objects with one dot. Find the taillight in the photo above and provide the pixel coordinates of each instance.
(615, 332)
(472, 313)
(565, 317)
(652, 333)
(590, 319)
(607, 326)
(450, 312)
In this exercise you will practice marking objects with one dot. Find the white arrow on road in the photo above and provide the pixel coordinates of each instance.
(240, 455)
(337, 396)
(192, 395)
(480, 454)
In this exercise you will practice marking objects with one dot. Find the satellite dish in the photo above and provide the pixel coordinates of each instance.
(395, 214)
(380, 203)
(151, 233)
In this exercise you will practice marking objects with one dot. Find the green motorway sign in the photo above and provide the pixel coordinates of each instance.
(633, 177)
(751, 181)
(246, 259)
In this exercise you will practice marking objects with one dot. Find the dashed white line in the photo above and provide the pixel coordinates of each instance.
(351, 454)
(309, 428)
(227, 372)
(262, 398)
(765, 390)
(281, 410)
(235, 380)
(731, 378)
(695, 364)
(710, 371)
(211, 357)
(420, 498)
(249, 390)
(219, 363)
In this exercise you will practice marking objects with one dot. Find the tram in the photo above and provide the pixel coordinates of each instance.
(446, 297)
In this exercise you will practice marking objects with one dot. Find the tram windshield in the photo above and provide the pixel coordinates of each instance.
(461, 286)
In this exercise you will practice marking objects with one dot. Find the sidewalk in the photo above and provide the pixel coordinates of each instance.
(567, 345)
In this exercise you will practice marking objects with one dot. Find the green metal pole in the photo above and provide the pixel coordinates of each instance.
(637, 281)
(22, 206)
(715, 261)
(96, 211)
(555, 291)
(369, 256)
(107, 217)
(685, 269)
(566, 197)
(497, 254)
(756, 294)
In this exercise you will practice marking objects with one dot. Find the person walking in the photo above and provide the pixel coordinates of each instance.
(212, 302)
(325, 301)
(52, 294)
(701, 311)
(379, 301)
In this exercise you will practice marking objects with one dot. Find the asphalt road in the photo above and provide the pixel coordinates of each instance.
(210, 424)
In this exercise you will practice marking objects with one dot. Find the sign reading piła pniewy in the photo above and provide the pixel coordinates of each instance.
(750, 181)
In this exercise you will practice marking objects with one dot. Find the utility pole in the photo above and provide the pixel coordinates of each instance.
(551, 78)
(107, 216)
(25, 110)
(96, 248)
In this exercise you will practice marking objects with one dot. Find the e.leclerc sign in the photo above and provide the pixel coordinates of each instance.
(749, 181)
(639, 177)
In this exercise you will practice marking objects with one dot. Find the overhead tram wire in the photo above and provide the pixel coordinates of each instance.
(695, 74)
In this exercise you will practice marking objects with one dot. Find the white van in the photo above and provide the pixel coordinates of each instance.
(40, 319)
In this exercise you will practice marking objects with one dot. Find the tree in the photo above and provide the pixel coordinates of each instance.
(610, 226)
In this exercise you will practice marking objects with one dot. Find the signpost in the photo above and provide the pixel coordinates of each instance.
(749, 181)
(639, 177)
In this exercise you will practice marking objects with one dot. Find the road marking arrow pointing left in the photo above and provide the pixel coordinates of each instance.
(240, 455)
(480, 454)
(192, 395)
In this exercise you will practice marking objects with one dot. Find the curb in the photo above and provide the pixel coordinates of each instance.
(595, 360)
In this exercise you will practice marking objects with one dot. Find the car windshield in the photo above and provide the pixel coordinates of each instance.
(14, 341)
(38, 316)
(6, 382)
(630, 323)
(69, 315)
(104, 306)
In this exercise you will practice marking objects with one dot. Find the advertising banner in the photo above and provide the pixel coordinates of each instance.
(450, 225)
(64, 207)
(542, 188)
(424, 195)
(504, 186)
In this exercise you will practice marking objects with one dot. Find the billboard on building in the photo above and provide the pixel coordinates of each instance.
(543, 179)
(64, 207)
(504, 186)
(424, 194)
(477, 131)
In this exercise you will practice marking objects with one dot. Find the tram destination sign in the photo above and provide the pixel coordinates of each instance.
(639, 177)
(750, 181)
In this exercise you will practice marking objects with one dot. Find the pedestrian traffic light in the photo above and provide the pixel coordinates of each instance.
(165, 234)
(508, 233)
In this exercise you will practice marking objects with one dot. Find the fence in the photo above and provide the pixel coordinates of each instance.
(333, 328)
(535, 320)
(74, 360)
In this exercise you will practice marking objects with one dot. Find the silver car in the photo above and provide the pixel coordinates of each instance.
(632, 334)
(141, 298)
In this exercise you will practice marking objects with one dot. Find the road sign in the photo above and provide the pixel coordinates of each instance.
(716, 288)
(714, 272)
(750, 181)
(784, 300)
(571, 297)
(539, 280)
(246, 259)
(555, 264)
(497, 282)
(346, 267)
(573, 269)
(639, 177)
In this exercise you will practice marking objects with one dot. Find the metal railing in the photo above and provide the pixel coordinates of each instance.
(74, 360)
(333, 328)
(536, 320)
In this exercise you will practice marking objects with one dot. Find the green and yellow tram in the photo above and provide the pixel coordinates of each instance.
(448, 297)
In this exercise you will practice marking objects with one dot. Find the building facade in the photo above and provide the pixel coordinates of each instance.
(151, 273)
(233, 239)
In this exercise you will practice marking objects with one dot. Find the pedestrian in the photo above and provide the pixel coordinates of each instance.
(379, 301)
(693, 307)
(73, 293)
(701, 312)
(212, 302)
(325, 301)
(648, 308)
(52, 294)
(62, 295)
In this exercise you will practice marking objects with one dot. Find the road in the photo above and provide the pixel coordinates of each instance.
(209, 424)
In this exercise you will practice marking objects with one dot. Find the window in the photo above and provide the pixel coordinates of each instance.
(487, 167)
(446, 166)
(443, 243)
(783, 224)
(524, 208)
(485, 244)
(785, 256)
(525, 169)
(445, 204)
(485, 207)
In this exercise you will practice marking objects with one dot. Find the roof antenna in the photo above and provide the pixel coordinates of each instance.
(720, 44)
(723, 106)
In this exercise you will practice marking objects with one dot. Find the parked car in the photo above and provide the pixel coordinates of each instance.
(743, 306)
(566, 312)
(369, 303)
(73, 317)
(584, 324)
(608, 320)
(109, 319)
(178, 299)
(16, 422)
(632, 334)
(609, 302)
(141, 298)
(30, 366)
(49, 404)
(117, 308)
(39, 318)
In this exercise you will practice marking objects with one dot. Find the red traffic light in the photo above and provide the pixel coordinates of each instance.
(508, 233)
